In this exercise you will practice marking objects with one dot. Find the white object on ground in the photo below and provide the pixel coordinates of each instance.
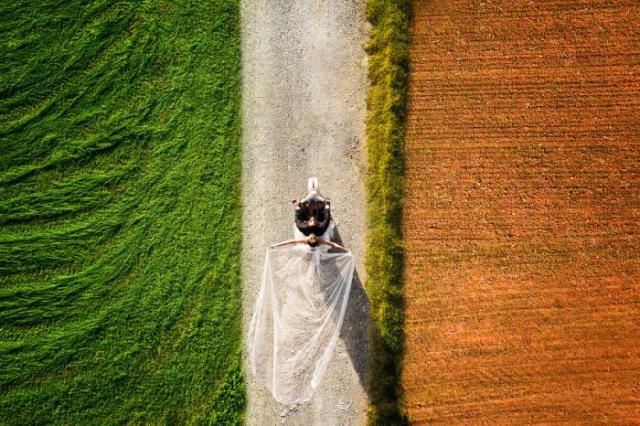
(312, 185)
(297, 318)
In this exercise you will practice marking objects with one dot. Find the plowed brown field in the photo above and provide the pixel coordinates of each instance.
(522, 212)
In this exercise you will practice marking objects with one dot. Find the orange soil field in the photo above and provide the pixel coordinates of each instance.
(522, 212)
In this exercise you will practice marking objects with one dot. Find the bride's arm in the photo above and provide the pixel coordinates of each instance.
(284, 243)
(332, 244)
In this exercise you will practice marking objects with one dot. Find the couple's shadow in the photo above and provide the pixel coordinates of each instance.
(356, 328)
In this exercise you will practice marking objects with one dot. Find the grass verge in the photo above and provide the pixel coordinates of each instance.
(120, 212)
(388, 51)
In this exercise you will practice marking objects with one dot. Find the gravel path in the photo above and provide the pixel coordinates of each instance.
(304, 111)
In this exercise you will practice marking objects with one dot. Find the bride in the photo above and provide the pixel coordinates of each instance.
(301, 304)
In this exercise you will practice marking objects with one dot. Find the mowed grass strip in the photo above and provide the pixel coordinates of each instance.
(120, 212)
(388, 51)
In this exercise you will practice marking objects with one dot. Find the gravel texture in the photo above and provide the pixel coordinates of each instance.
(304, 73)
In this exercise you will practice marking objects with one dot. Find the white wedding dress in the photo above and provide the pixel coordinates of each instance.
(297, 317)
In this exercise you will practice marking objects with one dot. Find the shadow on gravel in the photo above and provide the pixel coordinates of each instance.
(355, 328)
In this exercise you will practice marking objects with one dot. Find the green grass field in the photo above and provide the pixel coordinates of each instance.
(120, 212)
(388, 51)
